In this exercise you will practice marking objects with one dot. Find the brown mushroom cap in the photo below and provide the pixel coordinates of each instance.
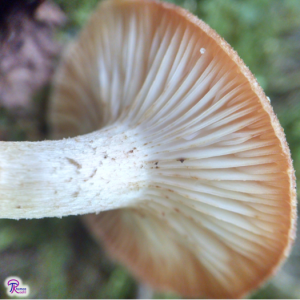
(219, 210)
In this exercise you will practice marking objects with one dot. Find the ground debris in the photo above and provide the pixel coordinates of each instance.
(27, 49)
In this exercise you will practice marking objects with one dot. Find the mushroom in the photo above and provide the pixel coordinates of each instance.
(174, 142)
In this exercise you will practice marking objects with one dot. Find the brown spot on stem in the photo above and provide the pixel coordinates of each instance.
(93, 174)
(74, 162)
(75, 194)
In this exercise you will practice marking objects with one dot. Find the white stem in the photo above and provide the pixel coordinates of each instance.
(91, 173)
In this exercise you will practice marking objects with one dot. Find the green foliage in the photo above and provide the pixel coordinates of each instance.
(289, 117)
(77, 11)
(58, 259)
(165, 296)
(119, 285)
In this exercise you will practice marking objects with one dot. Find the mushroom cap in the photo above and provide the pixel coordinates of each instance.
(219, 209)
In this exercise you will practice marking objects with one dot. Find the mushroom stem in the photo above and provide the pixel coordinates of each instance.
(90, 173)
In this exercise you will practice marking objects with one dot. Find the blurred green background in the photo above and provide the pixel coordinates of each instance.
(58, 259)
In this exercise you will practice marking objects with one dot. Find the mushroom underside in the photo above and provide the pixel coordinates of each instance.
(217, 199)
